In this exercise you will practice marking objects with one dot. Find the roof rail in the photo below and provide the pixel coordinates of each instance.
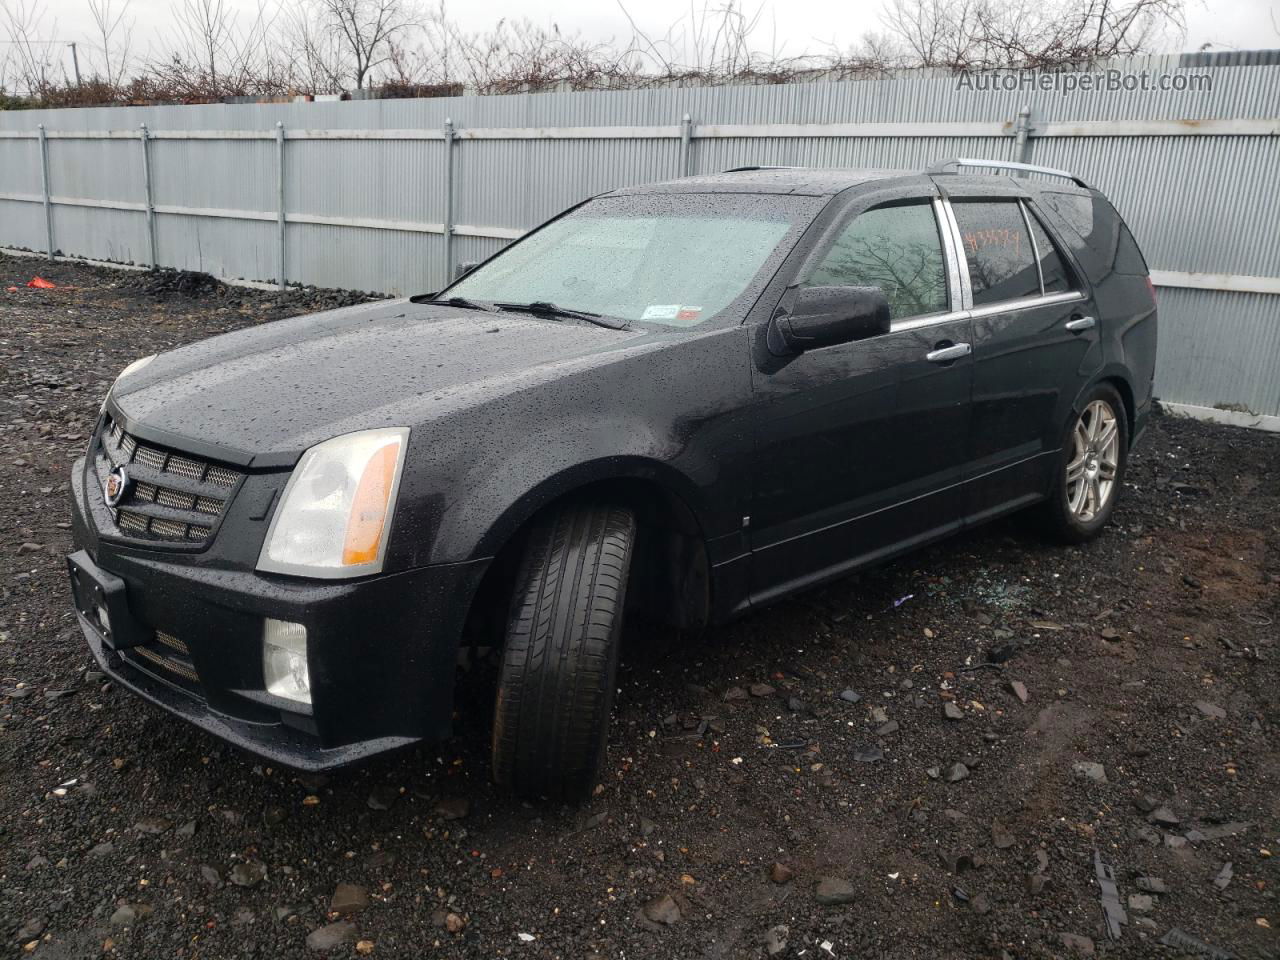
(760, 166)
(951, 165)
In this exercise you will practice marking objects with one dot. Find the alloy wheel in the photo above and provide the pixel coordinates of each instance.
(1095, 458)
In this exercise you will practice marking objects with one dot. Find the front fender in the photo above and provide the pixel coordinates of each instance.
(676, 414)
(550, 465)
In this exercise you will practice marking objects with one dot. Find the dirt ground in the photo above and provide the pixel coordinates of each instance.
(790, 779)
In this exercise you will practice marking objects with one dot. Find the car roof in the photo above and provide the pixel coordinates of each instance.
(806, 181)
(817, 181)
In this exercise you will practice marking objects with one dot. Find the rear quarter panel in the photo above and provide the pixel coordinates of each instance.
(1117, 273)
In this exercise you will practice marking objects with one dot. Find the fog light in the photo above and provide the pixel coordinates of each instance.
(284, 660)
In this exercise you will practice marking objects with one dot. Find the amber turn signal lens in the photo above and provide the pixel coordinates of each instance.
(369, 508)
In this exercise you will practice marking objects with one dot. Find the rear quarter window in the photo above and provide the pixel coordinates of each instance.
(1106, 239)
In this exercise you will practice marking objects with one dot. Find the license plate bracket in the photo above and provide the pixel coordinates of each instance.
(102, 600)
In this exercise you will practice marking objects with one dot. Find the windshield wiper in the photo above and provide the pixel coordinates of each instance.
(464, 303)
(543, 308)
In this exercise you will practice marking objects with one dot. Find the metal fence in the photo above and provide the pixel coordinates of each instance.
(389, 195)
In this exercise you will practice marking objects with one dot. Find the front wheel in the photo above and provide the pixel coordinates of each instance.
(1090, 468)
(560, 656)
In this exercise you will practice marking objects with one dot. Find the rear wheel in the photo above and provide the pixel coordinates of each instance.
(560, 656)
(1090, 468)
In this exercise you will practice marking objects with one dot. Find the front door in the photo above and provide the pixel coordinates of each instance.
(861, 446)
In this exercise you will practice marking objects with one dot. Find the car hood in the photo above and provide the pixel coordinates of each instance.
(262, 395)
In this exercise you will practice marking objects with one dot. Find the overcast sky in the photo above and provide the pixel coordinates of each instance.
(799, 26)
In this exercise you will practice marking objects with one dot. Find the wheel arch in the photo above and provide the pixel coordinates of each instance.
(1118, 378)
(671, 578)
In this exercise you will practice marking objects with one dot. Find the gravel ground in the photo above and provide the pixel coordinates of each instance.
(918, 762)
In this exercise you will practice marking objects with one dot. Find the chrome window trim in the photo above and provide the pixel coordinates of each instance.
(933, 319)
(1025, 303)
(962, 263)
(1005, 306)
(955, 289)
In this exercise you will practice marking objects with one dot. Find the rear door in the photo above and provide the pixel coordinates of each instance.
(861, 446)
(1035, 340)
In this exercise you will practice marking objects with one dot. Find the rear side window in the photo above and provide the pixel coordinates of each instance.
(1002, 263)
(1057, 279)
(896, 248)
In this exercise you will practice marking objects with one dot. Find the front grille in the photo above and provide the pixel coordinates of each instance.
(173, 498)
(167, 658)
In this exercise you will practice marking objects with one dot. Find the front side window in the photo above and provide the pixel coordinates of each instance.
(676, 260)
(1002, 263)
(896, 248)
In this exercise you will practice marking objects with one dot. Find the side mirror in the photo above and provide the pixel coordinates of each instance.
(465, 267)
(825, 316)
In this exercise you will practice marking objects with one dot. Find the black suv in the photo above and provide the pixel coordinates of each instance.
(687, 399)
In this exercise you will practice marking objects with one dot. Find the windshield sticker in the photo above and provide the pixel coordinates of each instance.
(688, 314)
(661, 311)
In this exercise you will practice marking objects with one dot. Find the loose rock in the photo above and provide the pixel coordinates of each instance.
(833, 891)
(331, 936)
(1090, 770)
(775, 941)
(248, 874)
(663, 909)
(452, 808)
(348, 898)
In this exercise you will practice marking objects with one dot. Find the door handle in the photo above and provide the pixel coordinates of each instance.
(947, 354)
(1076, 324)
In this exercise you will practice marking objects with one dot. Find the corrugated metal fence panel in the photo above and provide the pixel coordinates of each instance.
(1198, 203)
(354, 258)
(227, 249)
(1220, 349)
(21, 223)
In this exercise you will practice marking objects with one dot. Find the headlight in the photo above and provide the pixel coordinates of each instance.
(336, 510)
(131, 368)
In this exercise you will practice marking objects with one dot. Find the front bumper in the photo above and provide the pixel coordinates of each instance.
(382, 651)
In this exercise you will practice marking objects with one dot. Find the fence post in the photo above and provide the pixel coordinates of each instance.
(280, 226)
(146, 185)
(1021, 129)
(686, 137)
(448, 202)
(44, 187)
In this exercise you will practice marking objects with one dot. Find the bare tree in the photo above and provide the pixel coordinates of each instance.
(31, 57)
(112, 36)
(213, 55)
(367, 30)
(983, 34)
(215, 49)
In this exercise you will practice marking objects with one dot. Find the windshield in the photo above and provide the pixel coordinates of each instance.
(671, 259)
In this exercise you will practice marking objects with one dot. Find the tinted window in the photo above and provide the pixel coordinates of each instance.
(1074, 208)
(1129, 259)
(1052, 269)
(894, 248)
(1002, 265)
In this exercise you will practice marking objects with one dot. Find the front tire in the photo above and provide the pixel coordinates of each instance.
(1090, 469)
(560, 657)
